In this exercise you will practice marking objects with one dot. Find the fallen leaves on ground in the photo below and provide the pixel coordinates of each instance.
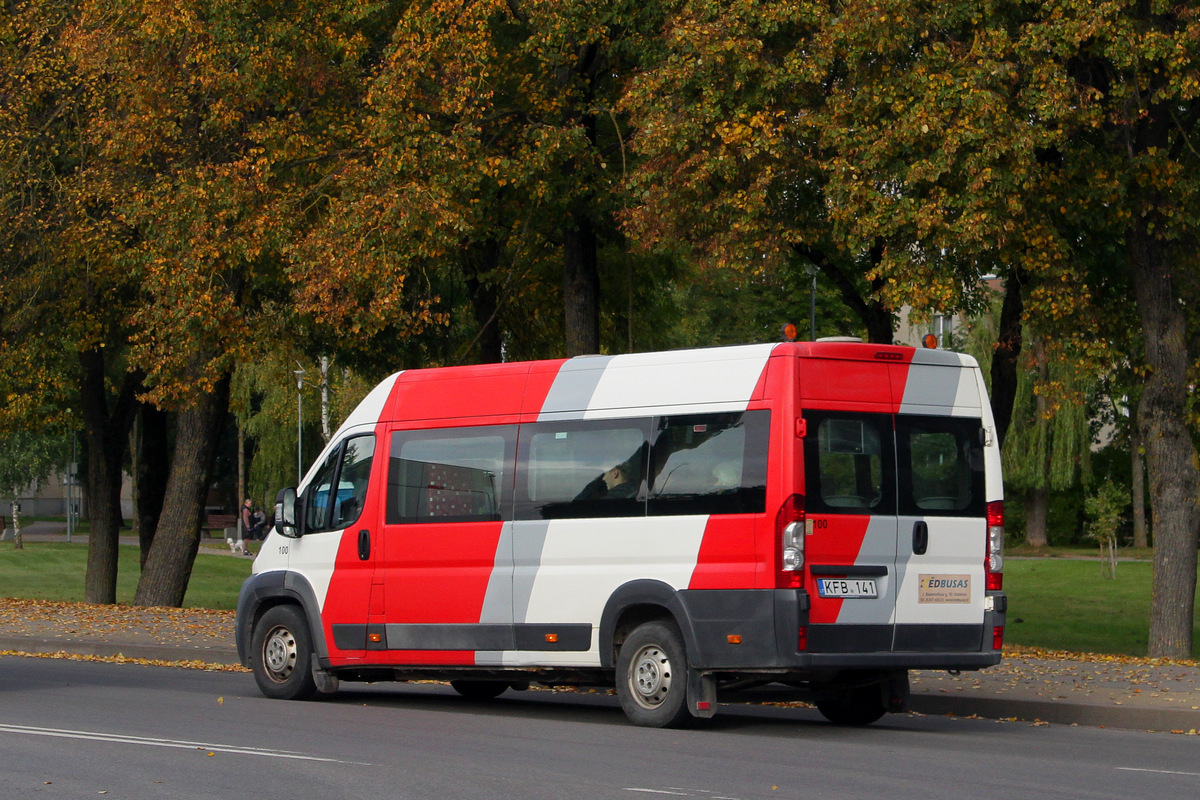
(1017, 651)
(51, 619)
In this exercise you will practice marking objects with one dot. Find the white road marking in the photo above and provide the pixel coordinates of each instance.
(117, 738)
(679, 791)
(1158, 771)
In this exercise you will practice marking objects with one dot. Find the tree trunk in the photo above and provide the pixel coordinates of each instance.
(1138, 487)
(1037, 504)
(875, 317)
(107, 437)
(165, 578)
(581, 287)
(151, 465)
(480, 263)
(1170, 454)
(18, 541)
(1008, 350)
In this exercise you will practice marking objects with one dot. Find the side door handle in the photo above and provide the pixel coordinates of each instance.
(920, 537)
(364, 544)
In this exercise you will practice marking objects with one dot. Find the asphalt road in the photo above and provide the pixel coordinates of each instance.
(78, 729)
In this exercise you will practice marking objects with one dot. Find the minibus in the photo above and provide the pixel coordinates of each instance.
(798, 519)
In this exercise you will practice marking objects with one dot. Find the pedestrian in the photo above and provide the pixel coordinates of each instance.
(243, 532)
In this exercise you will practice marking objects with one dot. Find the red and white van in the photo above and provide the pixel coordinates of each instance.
(820, 517)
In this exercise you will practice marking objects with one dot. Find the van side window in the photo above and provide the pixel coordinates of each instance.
(941, 466)
(454, 475)
(848, 462)
(709, 464)
(581, 469)
(348, 467)
(353, 478)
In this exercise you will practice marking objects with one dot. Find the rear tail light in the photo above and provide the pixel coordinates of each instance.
(789, 532)
(994, 563)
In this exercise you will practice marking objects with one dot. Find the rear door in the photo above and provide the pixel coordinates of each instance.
(850, 549)
(942, 525)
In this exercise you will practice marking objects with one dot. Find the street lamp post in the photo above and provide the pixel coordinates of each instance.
(299, 373)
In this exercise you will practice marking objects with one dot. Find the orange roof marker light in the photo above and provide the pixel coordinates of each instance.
(931, 341)
(789, 332)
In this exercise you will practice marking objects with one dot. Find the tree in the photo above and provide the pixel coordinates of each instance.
(213, 130)
(1049, 444)
(63, 322)
(1052, 143)
(28, 458)
(493, 152)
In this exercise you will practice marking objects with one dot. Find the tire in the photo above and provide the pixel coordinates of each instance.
(281, 654)
(652, 677)
(854, 706)
(480, 690)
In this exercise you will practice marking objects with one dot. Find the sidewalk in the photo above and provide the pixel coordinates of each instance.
(1108, 691)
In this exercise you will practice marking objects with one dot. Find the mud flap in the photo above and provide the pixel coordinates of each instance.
(326, 683)
(895, 698)
(701, 694)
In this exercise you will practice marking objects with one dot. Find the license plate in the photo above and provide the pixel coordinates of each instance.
(846, 587)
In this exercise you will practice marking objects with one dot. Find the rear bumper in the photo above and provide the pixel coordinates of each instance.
(748, 631)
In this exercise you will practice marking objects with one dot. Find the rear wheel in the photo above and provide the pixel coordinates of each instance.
(480, 690)
(281, 654)
(652, 677)
(854, 705)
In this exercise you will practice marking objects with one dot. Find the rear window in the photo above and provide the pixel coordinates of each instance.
(847, 463)
(941, 462)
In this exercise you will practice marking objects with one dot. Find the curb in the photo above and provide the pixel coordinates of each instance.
(1058, 712)
(223, 656)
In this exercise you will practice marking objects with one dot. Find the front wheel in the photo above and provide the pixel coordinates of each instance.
(281, 654)
(652, 677)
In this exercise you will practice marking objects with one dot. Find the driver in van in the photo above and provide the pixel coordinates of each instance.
(617, 482)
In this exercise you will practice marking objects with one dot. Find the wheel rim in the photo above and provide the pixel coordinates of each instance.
(279, 654)
(650, 676)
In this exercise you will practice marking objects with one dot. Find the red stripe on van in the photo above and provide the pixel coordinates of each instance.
(438, 573)
(839, 543)
(443, 397)
(727, 558)
(537, 387)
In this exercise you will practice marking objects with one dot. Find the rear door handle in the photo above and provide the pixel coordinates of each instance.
(920, 537)
(364, 544)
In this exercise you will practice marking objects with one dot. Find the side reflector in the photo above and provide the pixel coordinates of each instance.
(551, 637)
(734, 638)
(375, 637)
(703, 705)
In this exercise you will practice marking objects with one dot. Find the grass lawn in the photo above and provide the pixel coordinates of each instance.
(1067, 604)
(1055, 602)
(54, 571)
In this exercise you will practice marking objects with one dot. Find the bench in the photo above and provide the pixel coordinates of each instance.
(216, 524)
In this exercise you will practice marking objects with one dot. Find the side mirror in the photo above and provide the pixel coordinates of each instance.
(285, 514)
